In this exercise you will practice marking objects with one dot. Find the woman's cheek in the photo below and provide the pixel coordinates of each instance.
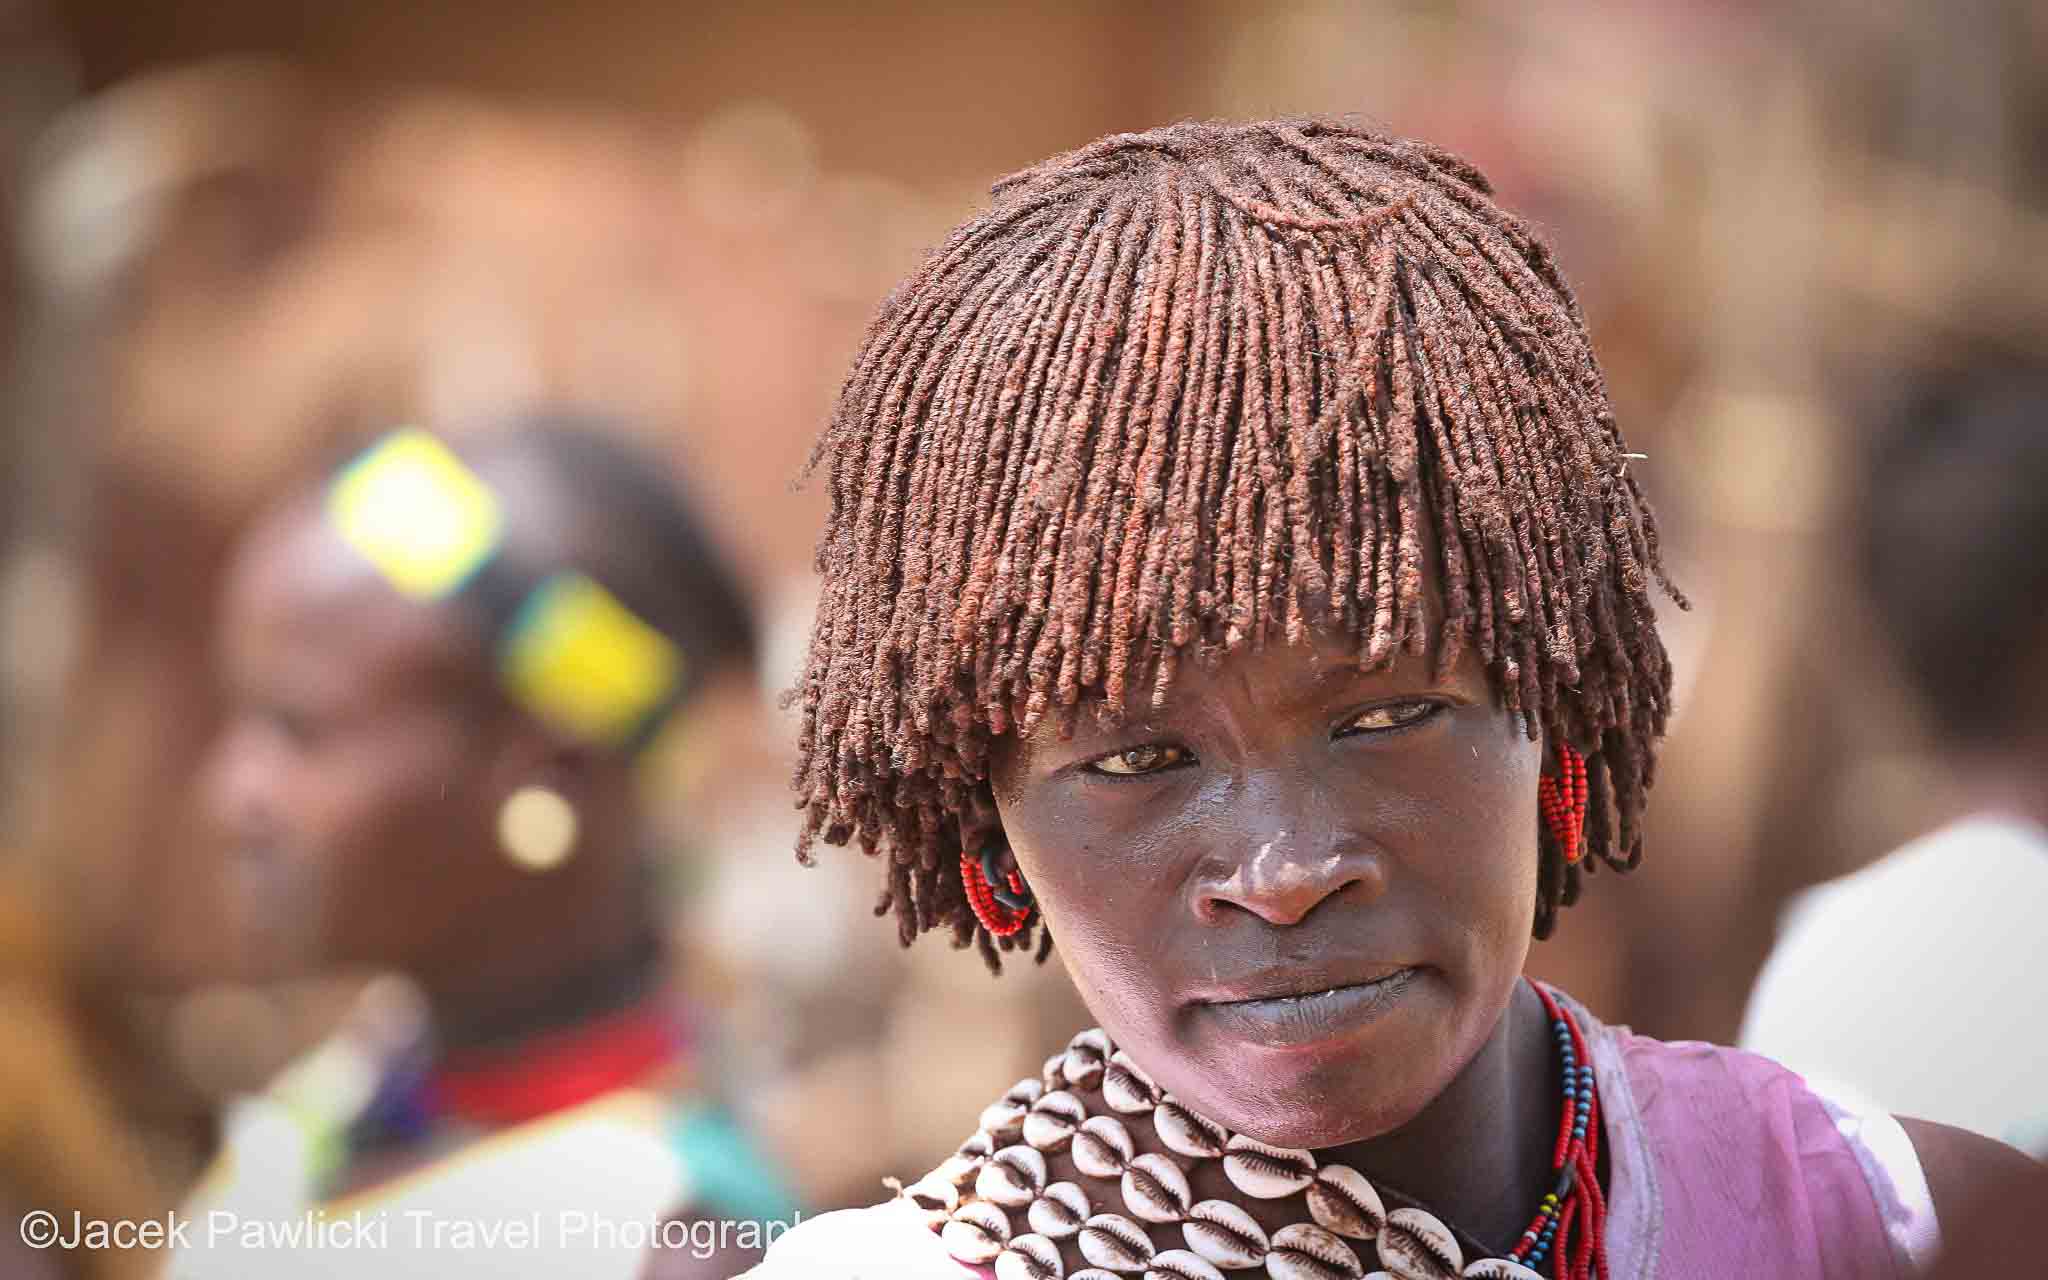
(1099, 933)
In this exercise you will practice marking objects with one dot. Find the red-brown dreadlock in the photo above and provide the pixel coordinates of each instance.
(1179, 390)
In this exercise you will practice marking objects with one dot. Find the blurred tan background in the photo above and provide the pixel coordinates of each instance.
(242, 232)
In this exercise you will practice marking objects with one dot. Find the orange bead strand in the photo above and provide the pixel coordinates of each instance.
(999, 919)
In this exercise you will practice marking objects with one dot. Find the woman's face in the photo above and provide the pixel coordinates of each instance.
(1297, 892)
(350, 776)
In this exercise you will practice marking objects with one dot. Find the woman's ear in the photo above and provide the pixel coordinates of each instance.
(999, 858)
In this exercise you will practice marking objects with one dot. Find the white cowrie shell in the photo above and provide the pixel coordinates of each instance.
(931, 1192)
(1413, 1245)
(1050, 1074)
(1003, 1119)
(1013, 1177)
(1156, 1190)
(1500, 1269)
(1115, 1243)
(932, 1215)
(1030, 1258)
(1051, 1123)
(1179, 1264)
(1059, 1211)
(1267, 1173)
(1103, 1147)
(980, 1146)
(1095, 1040)
(1085, 1057)
(1341, 1200)
(1226, 1235)
(1185, 1132)
(1094, 1273)
(977, 1233)
(958, 1170)
(1304, 1251)
(1126, 1087)
(1081, 1070)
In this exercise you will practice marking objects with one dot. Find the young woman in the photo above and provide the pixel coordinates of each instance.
(445, 664)
(1235, 577)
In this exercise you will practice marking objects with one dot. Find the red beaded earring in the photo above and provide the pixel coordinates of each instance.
(1003, 909)
(1562, 802)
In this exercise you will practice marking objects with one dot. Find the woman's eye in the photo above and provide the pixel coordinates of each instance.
(1137, 760)
(1394, 715)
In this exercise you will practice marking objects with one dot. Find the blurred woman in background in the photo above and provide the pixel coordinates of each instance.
(443, 673)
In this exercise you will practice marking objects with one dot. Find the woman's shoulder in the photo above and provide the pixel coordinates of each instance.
(1665, 1082)
(1719, 1127)
(1689, 1094)
(889, 1241)
(1698, 1069)
(1679, 1082)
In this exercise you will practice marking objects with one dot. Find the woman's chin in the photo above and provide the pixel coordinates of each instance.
(1329, 1109)
(1347, 1076)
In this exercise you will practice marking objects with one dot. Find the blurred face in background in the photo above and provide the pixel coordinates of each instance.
(353, 776)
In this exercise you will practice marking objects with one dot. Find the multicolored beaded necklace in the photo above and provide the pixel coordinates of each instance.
(545, 1074)
(1576, 1202)
(1002, 1170)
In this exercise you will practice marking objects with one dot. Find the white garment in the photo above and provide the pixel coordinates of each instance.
(1919, 985)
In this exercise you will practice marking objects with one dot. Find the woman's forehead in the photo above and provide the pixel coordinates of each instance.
(300, 594)
(1323, 665)
(1328, 649)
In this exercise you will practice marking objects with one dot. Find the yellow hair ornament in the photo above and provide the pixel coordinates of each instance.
(415, 511)
(581, 660)
(568, 650)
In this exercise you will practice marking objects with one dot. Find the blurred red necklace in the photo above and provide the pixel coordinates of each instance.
(547, 1073)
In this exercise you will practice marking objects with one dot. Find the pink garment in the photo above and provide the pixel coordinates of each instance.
(1725, 1163)
(1722, 1163)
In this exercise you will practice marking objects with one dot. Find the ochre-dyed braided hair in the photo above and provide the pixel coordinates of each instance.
(1178, 392)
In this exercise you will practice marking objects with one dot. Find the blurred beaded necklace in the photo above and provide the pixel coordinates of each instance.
(972, 1199)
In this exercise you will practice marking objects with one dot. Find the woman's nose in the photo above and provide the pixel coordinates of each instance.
(231, 781)
(1285, 876)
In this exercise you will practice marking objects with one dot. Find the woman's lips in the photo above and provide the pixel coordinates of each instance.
(1310, 1017)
